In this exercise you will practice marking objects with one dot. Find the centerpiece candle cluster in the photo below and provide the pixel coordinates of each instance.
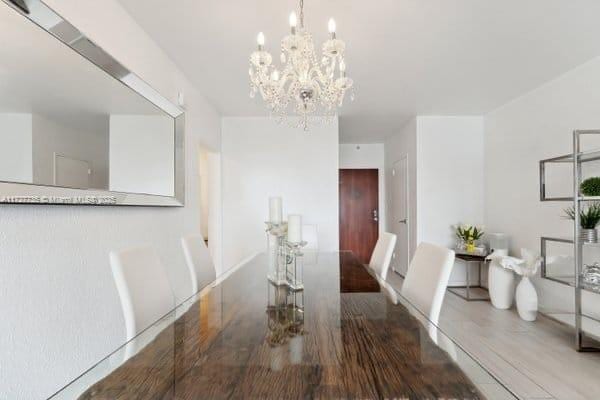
(284, 244)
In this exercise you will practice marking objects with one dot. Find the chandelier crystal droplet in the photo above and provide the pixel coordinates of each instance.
(304, 84)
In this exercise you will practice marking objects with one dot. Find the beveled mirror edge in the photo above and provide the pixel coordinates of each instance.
(30, 193)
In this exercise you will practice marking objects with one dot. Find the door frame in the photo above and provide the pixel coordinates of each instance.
(404, 159)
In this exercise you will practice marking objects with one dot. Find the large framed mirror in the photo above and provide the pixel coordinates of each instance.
(76, 126)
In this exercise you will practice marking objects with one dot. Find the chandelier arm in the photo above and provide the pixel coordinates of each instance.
(319, 74)
(281, 84)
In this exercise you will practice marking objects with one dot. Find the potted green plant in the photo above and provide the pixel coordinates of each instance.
(590, 186)
(589, 216)
(469, 234)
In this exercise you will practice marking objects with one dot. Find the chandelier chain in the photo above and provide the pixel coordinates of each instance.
(302, 13)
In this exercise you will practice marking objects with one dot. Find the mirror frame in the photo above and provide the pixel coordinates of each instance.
(31, 193)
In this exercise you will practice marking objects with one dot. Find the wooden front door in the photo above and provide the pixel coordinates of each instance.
(359, 211)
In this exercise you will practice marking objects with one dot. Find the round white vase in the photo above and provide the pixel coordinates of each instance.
(501, 285)
(527, 300)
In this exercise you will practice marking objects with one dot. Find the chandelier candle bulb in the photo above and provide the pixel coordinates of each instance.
(294, 229)
(293, 22)
(331, 25)
(260, 39)
(275, 210)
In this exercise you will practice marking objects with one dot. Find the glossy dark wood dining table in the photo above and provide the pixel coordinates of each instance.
(339, 338)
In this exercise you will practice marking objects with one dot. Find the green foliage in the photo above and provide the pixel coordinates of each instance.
(468, 233)
(591, 186)
(588, 216)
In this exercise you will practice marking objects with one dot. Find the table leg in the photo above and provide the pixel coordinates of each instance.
(467, 288)
(468, 285)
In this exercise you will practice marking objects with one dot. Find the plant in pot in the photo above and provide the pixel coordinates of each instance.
(590, 186)
(589, 216)
(469, 235)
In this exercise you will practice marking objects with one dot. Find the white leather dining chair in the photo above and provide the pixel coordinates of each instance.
(143, 287)
(389, 291)
(201, 268)
(311, 236)
(382, 255)
(427, 279)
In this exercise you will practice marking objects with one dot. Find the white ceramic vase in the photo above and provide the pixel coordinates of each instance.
(527, 300)
(501, 285)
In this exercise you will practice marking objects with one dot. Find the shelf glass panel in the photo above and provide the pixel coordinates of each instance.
(589, 286)
(569, 240)
(558, 263)
(568, 280)
(584, 156)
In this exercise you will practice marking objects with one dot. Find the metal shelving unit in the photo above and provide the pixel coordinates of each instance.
(582, 323)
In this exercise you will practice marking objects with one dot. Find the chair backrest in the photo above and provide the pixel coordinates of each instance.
(382, 254)
(389, 291)
(427, 278)
(202, 270)
(311, 236)
(143, 287)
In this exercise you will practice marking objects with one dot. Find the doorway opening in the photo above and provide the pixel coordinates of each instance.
(209, 176)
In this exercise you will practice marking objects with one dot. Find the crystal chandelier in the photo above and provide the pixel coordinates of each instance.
(303, 84)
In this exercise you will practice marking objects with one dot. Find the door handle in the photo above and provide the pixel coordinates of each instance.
(403, 221)
(375, 217)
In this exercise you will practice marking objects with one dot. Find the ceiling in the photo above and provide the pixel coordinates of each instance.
(407, 57)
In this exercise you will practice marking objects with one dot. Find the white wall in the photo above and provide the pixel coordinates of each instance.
(59, 305)
(142, 159)
(449, 175)
(15, 152)
(260, 159)
(535, 126)
(445, 163)
(367, 156)
(449, 180)
(91, 145)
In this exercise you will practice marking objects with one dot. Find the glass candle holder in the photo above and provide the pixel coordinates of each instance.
(295, 265)
(276, 272)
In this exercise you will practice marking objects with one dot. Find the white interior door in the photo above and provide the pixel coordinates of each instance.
(71, 173)
(400, 220)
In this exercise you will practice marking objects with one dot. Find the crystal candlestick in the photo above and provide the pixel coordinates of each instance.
(295, 265)
(276, 234)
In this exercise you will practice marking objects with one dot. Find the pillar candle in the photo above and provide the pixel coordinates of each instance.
(294, 228)
(275, 210)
